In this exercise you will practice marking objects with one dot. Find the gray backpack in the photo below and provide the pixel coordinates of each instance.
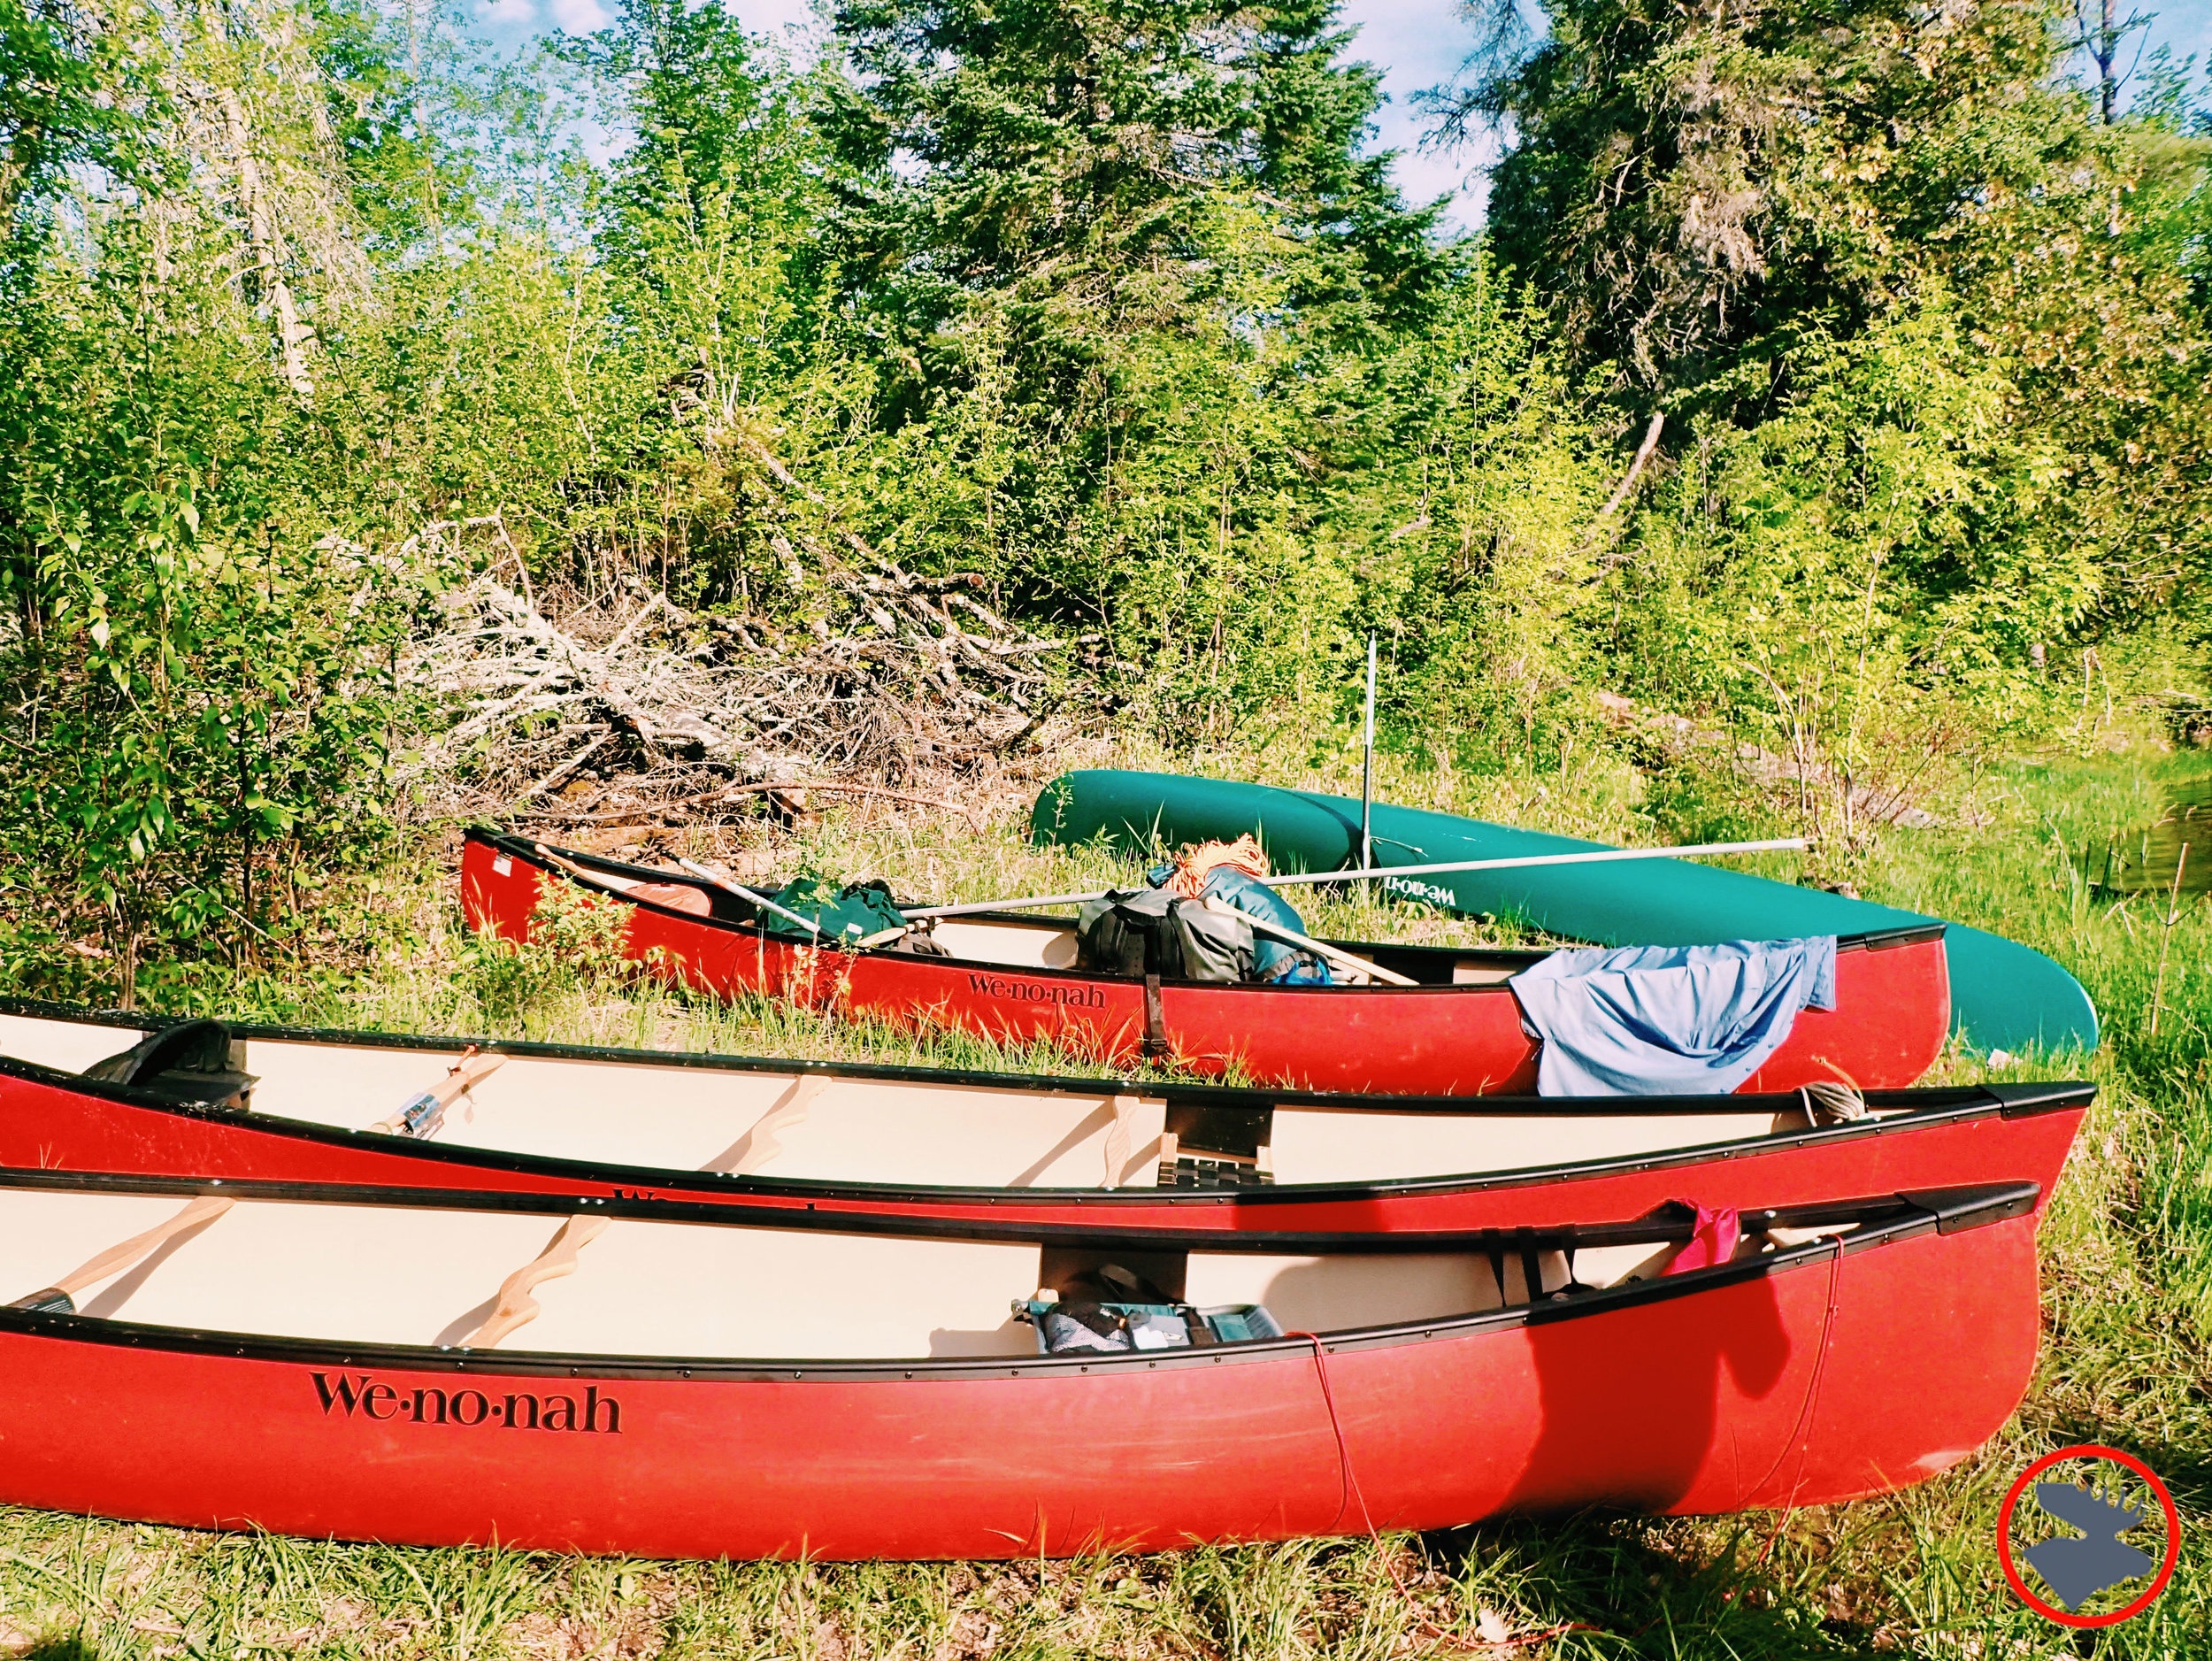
(1149, 931)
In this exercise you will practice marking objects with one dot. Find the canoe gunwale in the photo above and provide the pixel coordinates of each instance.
(1888, 1220)
(1967, 1103)
(1175, 1092)
(1648, 1230)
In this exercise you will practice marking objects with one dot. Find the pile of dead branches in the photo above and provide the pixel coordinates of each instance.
(626, 708)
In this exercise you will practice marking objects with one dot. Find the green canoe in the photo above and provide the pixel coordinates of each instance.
(2004, 996)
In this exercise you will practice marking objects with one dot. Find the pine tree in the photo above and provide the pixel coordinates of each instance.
(1690, 186)
(1062, 156)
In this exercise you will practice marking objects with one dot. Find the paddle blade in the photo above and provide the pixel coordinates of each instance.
(677, 895)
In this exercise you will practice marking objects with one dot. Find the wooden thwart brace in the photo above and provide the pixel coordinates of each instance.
(1124, 1108)
(515, 1307)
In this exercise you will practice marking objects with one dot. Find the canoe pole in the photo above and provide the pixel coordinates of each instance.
(1781, 845)
(743, 893)
(1335, 954)
(1788, 844)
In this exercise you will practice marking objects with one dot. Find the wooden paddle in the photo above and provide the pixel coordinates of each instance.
(1783, 845)
(61, 1296)
(515, 1307)
(677, 895)
(420, 1115)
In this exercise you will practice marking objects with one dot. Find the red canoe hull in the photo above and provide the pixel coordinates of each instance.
(1784, 1384)
(1893, 1004)
(55, 1121)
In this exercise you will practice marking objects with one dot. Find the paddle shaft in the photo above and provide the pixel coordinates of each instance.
(1785, 845)
(606, 880)
(471, 1069)
(1335, 954)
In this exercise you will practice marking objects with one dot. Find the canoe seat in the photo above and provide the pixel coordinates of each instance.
(188, 1063)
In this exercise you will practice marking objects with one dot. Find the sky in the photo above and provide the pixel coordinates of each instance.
(1417, 44)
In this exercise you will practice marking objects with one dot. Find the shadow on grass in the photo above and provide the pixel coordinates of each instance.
(73, 1648)
(1619, 1593)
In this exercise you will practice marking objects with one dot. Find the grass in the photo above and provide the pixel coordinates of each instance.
(2127, 1359)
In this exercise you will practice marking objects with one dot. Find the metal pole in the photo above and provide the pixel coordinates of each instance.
(1367, 771)
(1790, 844)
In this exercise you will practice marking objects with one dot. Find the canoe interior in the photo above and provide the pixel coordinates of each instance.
(406, 1273)
(908, 1132)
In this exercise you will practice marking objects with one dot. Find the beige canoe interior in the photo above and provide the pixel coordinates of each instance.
(910, 1133)
(392, 1274)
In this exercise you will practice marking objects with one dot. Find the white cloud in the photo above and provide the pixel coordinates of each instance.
(580, 17)
(773, 17)
(1417, 44)
(508, 14)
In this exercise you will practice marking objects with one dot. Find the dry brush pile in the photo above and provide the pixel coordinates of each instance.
(621, 707)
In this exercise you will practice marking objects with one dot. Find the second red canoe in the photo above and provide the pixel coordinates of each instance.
(1014, 979)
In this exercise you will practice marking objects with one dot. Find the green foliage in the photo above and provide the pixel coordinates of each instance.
(1692, 187)
(1113, 306)
(201, 682)
(68, 89)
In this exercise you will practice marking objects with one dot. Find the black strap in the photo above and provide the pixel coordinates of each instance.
(1532, 1271)
(1155, 1046)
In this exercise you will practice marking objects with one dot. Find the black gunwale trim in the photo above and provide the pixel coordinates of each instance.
(1883, 1221)
(515, 848)
(1969, 1103)
(904, 1226)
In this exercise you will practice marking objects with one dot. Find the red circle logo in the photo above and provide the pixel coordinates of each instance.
(2111, 1456)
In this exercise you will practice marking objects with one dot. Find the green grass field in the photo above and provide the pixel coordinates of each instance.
(2127, 1359)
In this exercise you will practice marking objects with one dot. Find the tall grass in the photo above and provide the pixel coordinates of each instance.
(2127, 1358)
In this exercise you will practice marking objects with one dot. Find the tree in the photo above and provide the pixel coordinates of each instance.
(67, 94)
(1060, 155)
(1691, 187)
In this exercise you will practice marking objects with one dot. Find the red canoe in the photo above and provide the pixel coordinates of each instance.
(918, 1143)
(1011, 978)
(320, 1362)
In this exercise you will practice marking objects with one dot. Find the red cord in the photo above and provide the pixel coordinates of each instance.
(1348, 1489)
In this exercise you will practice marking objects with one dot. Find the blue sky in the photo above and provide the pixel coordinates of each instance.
(1417, 42)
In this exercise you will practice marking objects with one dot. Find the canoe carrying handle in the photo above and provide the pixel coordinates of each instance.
(420, 1115)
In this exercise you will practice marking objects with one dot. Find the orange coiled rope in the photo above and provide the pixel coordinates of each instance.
(1194, 865)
